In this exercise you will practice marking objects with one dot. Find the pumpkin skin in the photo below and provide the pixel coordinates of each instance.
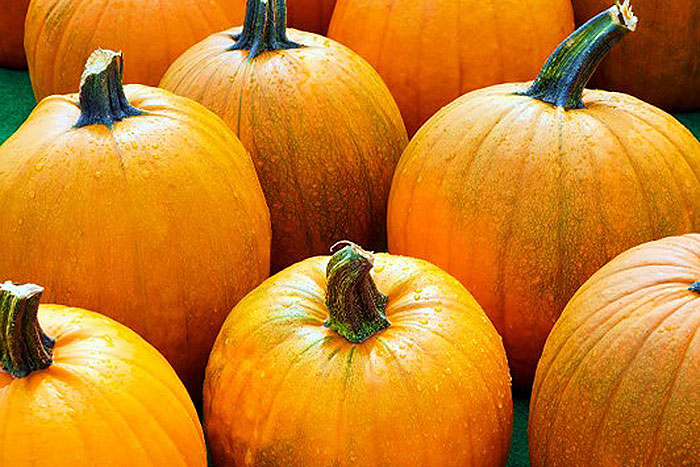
(431, 389)
(619, 375)
(322, 128)
(104, 380)
(162, 213)
(429, 52)
(310, 15)
(12, 37)
(61, 34)
(659, 63)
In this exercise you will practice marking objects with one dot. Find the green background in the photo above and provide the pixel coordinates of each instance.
(17, 100)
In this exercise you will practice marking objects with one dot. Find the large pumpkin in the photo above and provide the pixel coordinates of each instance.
(311, 15)
(523, 192)
(137, 203)
(12, 15)
(430, 52)
(322, 128)
(61, 34)
(660, 64)
(328, 363)
(77, 388)
(619, 379)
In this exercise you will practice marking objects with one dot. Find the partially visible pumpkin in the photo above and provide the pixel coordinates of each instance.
(660, 64)
(323, 129)
(61, 34)
(137, 203)
(328, 363)
(77, 388)
(430, 52)
(524, 190)
(619, 379)
(311, 15)
(12, 14)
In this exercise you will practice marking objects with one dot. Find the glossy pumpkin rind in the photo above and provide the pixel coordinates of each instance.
(618, 379)
(430, 389)
(12, 36)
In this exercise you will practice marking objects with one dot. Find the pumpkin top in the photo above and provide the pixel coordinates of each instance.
(571, 65)
(264, 28)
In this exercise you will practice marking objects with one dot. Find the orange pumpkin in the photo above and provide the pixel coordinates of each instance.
(322, 128)
(661, 63)
(77, 388)
(430, 52)
(12, 37)
(618, 380)
(329, 363)
(137, 203)
(61, 34)
(523, 192)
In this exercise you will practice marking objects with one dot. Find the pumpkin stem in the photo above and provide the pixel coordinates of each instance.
(357, 308)
(695, 287)
(264, 28)
(102, 99)
(572, 64)
(24, 347)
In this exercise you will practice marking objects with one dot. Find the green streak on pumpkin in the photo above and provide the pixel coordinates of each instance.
(264, 28)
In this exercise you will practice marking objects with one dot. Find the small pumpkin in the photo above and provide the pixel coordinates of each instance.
(77, 388)
(322, 128)
(61, 34)
(660, 64)
(332, 363)
(524, 190)
(429, 52)
(12, 36)
(137, 203)
(618, 380)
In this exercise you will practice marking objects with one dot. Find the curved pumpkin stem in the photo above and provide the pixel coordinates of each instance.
(357, 308)
(102, 99)
(570, 67)
(24, 347)
(264, 28)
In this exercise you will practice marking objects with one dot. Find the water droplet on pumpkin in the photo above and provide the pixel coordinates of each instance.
(32, 195)
(39, 166)
(423, 321)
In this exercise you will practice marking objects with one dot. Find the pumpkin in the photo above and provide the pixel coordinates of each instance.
(660, 63)
(61, 34)
(77, 388)
(430, 52)
(12, 37)
(523, 190)
(321, 126)
(137, 203)
(331, 363)
(618, 379)
(311, 15)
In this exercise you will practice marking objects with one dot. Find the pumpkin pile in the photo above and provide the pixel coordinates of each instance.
(538, 232)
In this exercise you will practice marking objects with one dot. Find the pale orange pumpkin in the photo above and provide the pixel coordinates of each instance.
(77, 388)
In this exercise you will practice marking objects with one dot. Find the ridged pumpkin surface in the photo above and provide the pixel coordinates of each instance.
(61, 34)
(522, 201)
(322, 128)
(432, 389)
(12, 15)
(619, 379)
(108, 399)
(429, 52)
(660, 63)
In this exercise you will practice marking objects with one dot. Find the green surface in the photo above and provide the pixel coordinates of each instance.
(17, 101)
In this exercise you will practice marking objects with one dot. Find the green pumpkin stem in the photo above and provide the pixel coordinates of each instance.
(102, 99)
(24, 347)
(264, 28)
(568, 69)
(357, 309)
(695, 287)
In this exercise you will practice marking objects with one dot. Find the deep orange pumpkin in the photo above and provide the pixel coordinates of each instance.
(430, 52)
(318, 367)
(322, 128)
(618, 380)
(523, 193)
(77, 388)
(12, 14)
(61, 34)
(660, 64)
(137, 203)
(311, 15)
